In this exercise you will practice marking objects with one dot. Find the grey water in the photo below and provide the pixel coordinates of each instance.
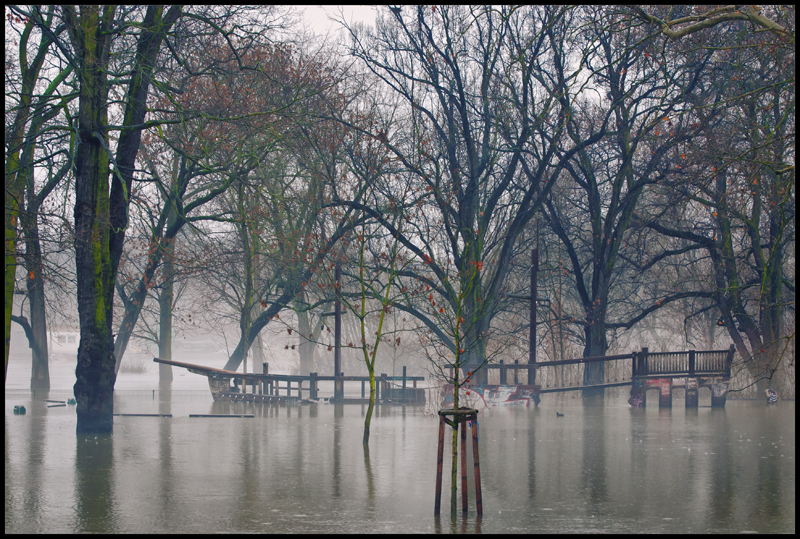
(302, 469)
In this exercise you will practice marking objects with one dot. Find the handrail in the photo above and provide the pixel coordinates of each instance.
(277, 377)
(518, 366)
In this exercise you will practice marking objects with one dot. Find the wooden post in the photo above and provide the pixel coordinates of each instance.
(460, 416)
(719, 395)
(665, 393)
(691, 399)
(404, 383)
(463, 426)
(502, 373)
(312, 385)
(478, 496)
(385, 385)
(439, 461)
(691, 392)
(643, 370)
(338, 392)
(516, 372)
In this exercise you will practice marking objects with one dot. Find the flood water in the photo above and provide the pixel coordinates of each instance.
(302, 469)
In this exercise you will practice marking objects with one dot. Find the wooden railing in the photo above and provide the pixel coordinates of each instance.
(690, 363)
(293, 386)
(642, 364)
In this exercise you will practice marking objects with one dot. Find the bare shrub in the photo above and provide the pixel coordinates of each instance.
(134, 364)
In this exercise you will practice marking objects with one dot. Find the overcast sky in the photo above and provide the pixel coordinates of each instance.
(316, 17)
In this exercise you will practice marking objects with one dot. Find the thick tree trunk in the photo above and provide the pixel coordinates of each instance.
(475, 327)
(14, 195)
(95, 373)
(165, 323)
(245, 341)
(307, 346)
(40, 371)
(165, 303)
(101, 210)
(596, 345)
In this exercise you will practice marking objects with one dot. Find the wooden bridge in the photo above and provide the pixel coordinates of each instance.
(277, 388)
(643, 371)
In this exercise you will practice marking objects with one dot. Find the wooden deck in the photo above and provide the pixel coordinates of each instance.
(267, 388)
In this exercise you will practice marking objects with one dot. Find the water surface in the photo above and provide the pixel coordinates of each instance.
(302, 469)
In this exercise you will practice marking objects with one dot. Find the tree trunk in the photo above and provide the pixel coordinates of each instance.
(101, 210)
(307, 346)
(454, 454)
(167, 298)
(165, 320)
(95, 373)
(14, 177)
(370, 408)
(596, 345)
(476, 326)
(40, 372)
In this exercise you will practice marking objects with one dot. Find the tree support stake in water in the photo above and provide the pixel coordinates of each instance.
(460, 417)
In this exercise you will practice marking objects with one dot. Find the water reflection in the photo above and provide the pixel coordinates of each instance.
(166, 479)
(769, 502)
(34, 497)
(305, 470)
(370, 480)
(338, 414)
(94, 460)
(721, 505)
(593, 460)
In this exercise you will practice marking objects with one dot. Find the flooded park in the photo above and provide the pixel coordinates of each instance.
(265, 265)
(302, 468)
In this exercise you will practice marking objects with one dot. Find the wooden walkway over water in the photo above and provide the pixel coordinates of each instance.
(282, 388)
(643, 371)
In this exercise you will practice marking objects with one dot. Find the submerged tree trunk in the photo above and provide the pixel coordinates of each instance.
(40, 370)
(95, 373)
(166, 300)
(101, 207)
(454, 456)
(596, 345)
(307, 345)
(370, 408)
(165, 320)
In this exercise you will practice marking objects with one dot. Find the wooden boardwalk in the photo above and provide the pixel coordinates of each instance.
(662, 371)
(287, 388)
